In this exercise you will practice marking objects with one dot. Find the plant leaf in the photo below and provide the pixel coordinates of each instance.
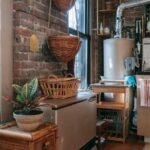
(18, 89)
(33, 85)
(25, 91)
(20, 98)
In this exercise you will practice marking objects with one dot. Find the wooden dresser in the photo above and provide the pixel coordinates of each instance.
(12, 138)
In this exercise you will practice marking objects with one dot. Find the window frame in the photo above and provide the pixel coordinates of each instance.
(85, 35)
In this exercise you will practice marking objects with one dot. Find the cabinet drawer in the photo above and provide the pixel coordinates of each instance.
(46, 143)
(12, 144)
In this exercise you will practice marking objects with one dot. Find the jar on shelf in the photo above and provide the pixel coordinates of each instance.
(108, 5)
(106, 30)
(148, 24)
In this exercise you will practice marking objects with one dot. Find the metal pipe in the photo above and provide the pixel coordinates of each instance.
(120, 10)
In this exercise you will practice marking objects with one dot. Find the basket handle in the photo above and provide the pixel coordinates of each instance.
(69, 75)
(52, 76)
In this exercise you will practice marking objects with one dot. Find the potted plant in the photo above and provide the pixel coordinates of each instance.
(27, 113)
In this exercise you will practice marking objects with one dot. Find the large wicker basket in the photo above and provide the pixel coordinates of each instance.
(64, 48)
(63, 87)
(64, 5)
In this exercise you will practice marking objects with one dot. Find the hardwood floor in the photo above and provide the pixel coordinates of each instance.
(133, 143)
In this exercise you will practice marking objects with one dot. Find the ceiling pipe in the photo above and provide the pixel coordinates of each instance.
(120, 10)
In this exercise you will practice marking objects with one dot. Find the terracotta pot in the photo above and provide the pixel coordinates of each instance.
(28, 122)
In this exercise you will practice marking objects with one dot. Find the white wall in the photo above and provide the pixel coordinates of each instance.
(6, 57)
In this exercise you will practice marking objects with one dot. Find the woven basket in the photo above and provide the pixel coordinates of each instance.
(64, 48)
(55, 87)
(64, 5)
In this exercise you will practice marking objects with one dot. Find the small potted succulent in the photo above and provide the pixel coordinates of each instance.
(27, 113)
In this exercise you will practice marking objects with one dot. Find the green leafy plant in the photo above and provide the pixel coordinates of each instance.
(26, 96)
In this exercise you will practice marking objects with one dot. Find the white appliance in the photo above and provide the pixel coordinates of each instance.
(76, 121)
(146, 55)
(115, 52)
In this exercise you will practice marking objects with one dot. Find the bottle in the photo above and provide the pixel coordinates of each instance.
(138, 44)
(148, 24)
(136, 32)
(138, 41)
(101, 28)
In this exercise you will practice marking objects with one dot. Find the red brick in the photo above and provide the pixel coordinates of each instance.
(26, 63)
(20, 56)
(41, 7)
(23, 31)
(21, 6)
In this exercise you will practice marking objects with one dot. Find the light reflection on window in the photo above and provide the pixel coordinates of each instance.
(78, 18)
(80, 13)
(81, 64)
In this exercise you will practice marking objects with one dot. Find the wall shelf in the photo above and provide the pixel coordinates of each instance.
(102, 14)
(103, 35)
(106, 11)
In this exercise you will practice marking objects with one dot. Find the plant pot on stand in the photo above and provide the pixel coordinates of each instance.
(27, 114)
(30, 121)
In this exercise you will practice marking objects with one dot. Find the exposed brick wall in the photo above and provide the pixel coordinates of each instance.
(26, 13)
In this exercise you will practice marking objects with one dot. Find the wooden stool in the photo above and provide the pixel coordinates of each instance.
(101, 128)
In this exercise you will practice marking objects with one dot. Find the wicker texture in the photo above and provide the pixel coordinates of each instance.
(64, 48)
(63, 87)
(64, 5)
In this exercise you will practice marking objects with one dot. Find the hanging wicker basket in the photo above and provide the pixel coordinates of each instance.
(64, 48)
(64, 5)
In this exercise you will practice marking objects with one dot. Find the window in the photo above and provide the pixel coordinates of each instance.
(79, 25)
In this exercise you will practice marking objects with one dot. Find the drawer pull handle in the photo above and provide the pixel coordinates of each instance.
(46, 145)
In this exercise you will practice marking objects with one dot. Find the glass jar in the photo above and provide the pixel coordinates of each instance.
(148, 24)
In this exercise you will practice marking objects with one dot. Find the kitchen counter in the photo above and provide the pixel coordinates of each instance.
(60, 103)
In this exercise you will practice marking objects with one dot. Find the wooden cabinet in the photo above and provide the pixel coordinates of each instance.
(75, 117)
(106, 12)
(12, 138)
(117, 111)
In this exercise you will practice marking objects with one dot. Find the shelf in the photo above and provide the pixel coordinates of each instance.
(111, 105)
(111, 138)
(104, 35)
(106, 14)
(115, 137)
(107, 11)
(147, 31)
